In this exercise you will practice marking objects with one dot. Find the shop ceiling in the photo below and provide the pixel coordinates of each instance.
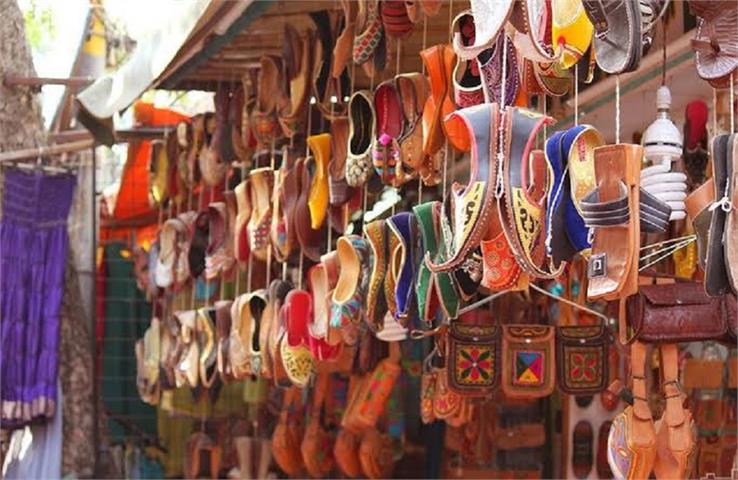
(260, 31)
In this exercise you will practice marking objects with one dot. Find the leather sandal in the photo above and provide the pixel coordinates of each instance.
(326, 86)
(434, 289)
(259, 226)
(188, 364)
(278, 291)
(717, 281)
(403, 263)
(552, 78)
(205, 332)
(389, 129)
(471, 204)
(219, 254)
(617, 34)
(293, 113)
(466, 79)
(532, 20)
(500, 270)
(282, 233)
(582, 457)
(198, 244)
(318, 317)
(342, 52)
(376, 302)
(339, 192)
(572, 30)
(578, 144)
(348, 296)
(489, 64)
(438, 104)
(396, 22)
(320, 147)
(268, 99)
(613, 266)
(296, 357)
(489, 17)
(715, 45)
(222, 333)
(212, 166)
(311, 240)
(241, 245)
(731, 218)
(362, 130)
(413, 91)
(369, 31)
(522, 205)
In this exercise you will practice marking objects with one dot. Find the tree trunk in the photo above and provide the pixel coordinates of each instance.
(21, 122)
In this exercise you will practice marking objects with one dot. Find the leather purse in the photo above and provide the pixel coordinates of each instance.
(287, 434)
(679, 312)
(582, 358)
(528, 365)
(473, 355)
(316, 447)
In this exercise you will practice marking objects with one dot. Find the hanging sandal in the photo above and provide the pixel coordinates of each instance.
(362, 128)
(413, 91)
(471, 204)
(489, 18)
(613, 266)
(571, 30)
(320, 147)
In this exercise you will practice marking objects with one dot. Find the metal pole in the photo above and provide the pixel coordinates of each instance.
(93, 311)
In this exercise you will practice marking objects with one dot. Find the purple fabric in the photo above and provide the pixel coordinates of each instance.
(33, 251)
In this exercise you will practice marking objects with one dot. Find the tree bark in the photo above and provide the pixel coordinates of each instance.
(21, 122)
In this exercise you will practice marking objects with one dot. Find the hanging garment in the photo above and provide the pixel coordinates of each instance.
(35, 451)
(33, 253)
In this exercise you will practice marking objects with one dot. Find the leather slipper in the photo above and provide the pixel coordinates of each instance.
(716, 271)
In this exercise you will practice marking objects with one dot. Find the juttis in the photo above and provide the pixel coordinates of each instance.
(33, 253)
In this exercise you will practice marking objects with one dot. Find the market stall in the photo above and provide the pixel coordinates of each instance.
(426, 239)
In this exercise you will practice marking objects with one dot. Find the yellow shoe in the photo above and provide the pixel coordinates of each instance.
(320, 146)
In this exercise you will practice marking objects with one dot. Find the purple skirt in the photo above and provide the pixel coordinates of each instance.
(33, 255)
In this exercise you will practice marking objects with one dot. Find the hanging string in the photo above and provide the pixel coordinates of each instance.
(545, 108)
(714, 111)
(194, 281)
(450, 19)
(272, 163)
(576, 96)
(445, 146)
(499, 187)
(330, 217)
(663, 54)
(732, 104)
(207, 280)
(238, 267)
(397, 72)
(424, 46)
(617, 109)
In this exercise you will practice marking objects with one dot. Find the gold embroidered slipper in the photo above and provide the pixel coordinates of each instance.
(471, 205)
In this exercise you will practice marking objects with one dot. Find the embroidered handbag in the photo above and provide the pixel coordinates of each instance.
(473, 359)
(528, 366)
(582, 358)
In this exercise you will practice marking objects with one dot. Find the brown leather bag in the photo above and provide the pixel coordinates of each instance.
(679, 312)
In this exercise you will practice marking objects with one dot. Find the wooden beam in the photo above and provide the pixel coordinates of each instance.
(73, 82)
(29, 153)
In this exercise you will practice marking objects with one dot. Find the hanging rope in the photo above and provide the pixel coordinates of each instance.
(499, 187)
(617, 109)
(576, 96)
